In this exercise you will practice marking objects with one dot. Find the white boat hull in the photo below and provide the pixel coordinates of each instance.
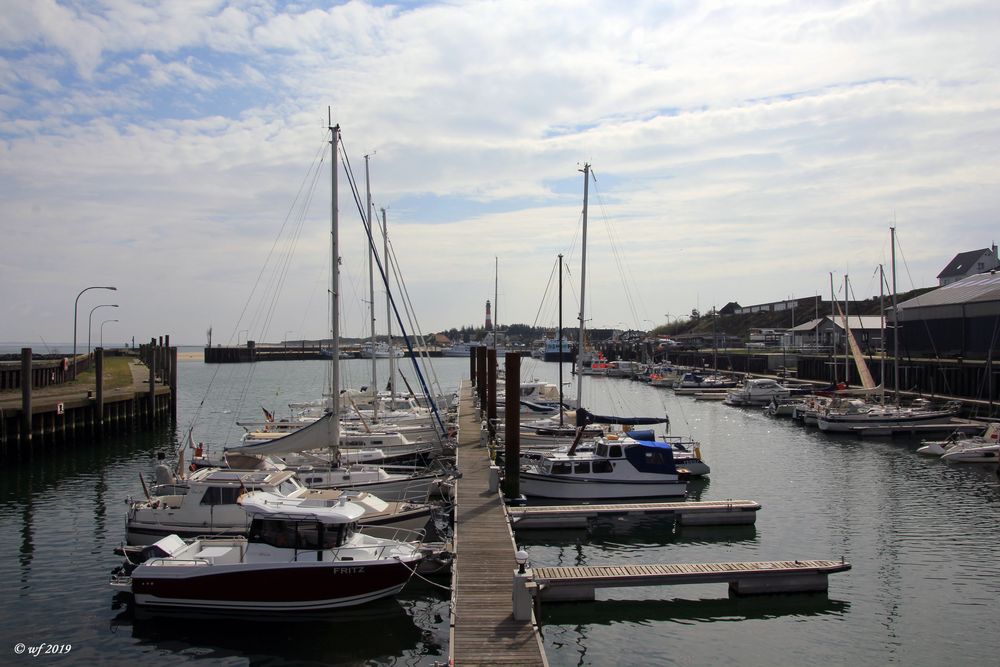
(575, 488)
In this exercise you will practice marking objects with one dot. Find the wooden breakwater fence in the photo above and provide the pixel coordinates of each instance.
(44, 410)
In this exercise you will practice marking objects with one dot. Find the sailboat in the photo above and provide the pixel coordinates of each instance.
(618, 466)
(852, 414)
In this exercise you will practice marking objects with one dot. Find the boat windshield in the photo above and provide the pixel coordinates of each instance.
(304, 535)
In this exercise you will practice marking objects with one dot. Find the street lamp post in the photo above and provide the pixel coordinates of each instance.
(102, 331)
(239, 335)
(90, 320)
(75, 304)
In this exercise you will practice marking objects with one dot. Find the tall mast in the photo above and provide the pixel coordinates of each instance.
(388, 307)
(334, 290)
(833, 317)
(895, 322)
(881, 311)
(560, 344)
(371, 289)
(847, 329)
(583, 288)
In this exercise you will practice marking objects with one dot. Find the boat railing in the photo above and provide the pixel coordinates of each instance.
(389, 533)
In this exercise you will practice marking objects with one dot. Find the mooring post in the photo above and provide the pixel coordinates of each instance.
(481, 378)
(99, 384)
(152, 381)
(472, 366)
(173, 384)
(512, 424)
(26, 395)
(491, 391)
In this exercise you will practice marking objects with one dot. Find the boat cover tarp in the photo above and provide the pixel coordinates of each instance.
(317, 435)
(584, 417)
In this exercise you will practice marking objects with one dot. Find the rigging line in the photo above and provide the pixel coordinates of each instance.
(392, 302)
(616, 253)
(552, 274)
(318, 155)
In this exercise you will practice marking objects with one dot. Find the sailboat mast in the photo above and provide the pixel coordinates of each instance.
(371, 289)
(881, 310)
(833, 316)
(583, 287)
(388, 312)
(895, 322)
(847, 328)
(334, 290)
(560, 344)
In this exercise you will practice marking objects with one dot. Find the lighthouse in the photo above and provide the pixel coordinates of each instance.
(489, 318)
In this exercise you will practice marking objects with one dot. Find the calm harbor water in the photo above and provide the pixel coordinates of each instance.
(920, 534)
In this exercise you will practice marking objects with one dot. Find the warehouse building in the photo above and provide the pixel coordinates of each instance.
(961, 319)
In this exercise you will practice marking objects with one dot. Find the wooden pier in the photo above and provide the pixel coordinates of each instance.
(579, 583)
(706, 513)
(483, 628)
(67, 411)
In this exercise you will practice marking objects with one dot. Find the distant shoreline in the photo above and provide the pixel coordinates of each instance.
(191, 356)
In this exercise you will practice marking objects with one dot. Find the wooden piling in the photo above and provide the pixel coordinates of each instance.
(481, 377)
(26, 395)
(173, 383)
(491, 391)
(512, 424)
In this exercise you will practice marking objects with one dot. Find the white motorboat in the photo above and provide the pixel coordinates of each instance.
(757, 391)
(693, 383)
(961, 440)
(292, 560)
(967, 453)
(206, 504)
(379, 350)
(616, 468)
(686, 452)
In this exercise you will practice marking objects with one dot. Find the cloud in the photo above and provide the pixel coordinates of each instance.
(742, 150)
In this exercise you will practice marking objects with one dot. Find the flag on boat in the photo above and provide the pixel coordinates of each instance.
(268, 416)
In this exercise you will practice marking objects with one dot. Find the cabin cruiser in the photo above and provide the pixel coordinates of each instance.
(557, 350)
(206, 503)
(758, 391)
(380, 350)
(292, 559)
(692, 383)
(686, 452)
(618, 467)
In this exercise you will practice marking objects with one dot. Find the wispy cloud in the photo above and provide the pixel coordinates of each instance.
(742, 149)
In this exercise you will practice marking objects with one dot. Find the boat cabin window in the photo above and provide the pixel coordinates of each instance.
(313, 480)
(615, 452)
(582, 468)
(288, 486)
(220, 495)
(562, 468)
(601, 449)
(303, 535)
(603, 466)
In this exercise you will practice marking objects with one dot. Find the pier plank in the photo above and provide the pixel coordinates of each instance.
(483, 629)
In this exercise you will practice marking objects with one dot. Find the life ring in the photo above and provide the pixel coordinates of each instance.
(65, 364)
(192, 467)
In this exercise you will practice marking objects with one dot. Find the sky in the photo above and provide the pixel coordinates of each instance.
(740, 151)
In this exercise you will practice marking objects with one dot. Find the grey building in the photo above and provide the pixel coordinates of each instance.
(961, 319)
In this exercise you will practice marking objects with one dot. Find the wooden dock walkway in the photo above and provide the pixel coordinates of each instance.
(578, 583)
(483, 629)
(703, 513)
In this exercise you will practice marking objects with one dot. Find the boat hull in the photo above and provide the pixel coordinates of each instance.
(570, 488)
(270, 587)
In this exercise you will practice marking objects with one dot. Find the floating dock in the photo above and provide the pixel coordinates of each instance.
(917, 430)
(707, 513)
(579, 583)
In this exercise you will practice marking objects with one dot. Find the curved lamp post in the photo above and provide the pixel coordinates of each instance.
(102, 330)
(90, 319)
(75, 304)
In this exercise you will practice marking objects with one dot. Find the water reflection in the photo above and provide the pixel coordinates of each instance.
(637, 531)
(608, 612)
(377, 633)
